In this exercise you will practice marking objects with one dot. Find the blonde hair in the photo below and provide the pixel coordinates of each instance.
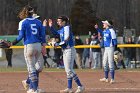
(25, 12)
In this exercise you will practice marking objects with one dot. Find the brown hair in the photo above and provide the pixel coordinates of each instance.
(64, 18)
(25, 12)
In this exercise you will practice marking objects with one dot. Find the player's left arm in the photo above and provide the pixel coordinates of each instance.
(113, 37)
(66, 35)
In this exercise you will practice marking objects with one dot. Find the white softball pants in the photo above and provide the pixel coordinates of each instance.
(108, 58)
(32, 53)
(68, 58)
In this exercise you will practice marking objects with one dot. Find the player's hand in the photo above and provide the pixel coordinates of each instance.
(45, 22)
(96, 26)
(10, 44)
(54, 44)
(43, 49)
(50, 22)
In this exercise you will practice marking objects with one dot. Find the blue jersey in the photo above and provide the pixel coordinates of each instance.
(66, 36)
(109, 37)
(32, 31)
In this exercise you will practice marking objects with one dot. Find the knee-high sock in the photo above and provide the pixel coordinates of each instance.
(75, 77)
(38, 75)
(69, 83)
(31, 85)
(106, 74)
(28, 80)
(112, 74)
(106, 71)
(34, 80)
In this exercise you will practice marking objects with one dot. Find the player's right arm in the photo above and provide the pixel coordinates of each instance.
(21, 33)
(54, 32)
(99, 30)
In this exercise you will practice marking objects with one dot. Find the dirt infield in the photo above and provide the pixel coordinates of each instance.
(52, 82)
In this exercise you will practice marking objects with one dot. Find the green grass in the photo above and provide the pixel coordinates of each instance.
(16, 69)
(4, 69)
(24, 69)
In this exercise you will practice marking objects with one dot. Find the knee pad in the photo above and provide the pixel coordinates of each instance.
(106, 68)
(111, 69)
(70, 74)
(75, 77)
(33, 76)
(39, 66)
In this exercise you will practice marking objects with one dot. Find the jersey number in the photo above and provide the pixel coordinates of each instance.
(104, 38)
(34, 29)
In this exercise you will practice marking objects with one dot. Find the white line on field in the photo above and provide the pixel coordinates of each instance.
(103, 88)
(113, 88)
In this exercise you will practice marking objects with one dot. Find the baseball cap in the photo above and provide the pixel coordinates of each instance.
(35, 16)
(106, 22)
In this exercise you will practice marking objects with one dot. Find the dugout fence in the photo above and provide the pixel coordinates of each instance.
(135, 63)
(91, 46)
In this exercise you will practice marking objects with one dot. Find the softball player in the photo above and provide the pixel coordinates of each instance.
(33, 33)
(110, 41)
(69, 52)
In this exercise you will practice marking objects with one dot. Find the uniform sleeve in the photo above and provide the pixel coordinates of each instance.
(53, 31)
(100, 31)
(21, 30)
(21, 33)
(66, 35)
(113, 36)
(20, 25)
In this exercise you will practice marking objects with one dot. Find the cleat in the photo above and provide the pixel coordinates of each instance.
(41, 91)
(25, 85)
(80, 89)
(112, 81)
(30, 91)
(67, 90)
(37, 91)
(104, 80)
